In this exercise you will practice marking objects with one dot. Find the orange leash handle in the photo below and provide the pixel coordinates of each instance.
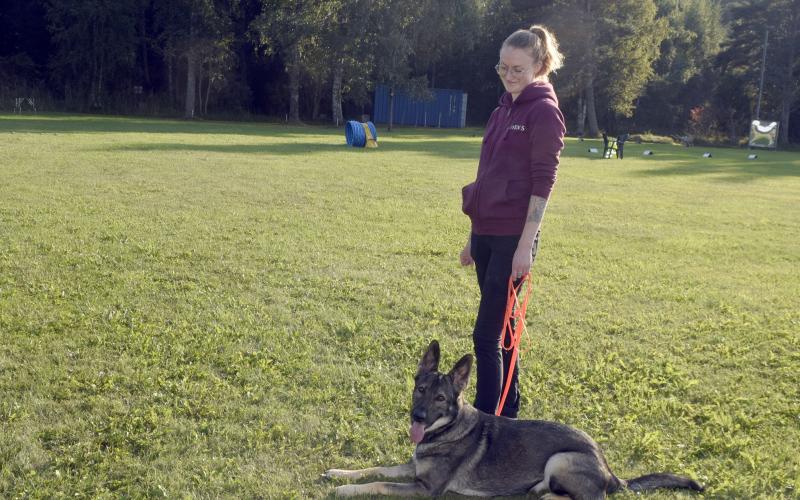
(513, 327)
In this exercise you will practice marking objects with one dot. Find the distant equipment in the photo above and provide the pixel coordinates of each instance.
(22, 102)
(614, 146)
(763, 134)
(594, 150)
(647, 152)
(706, 155)
(360, 135)
(752, 157)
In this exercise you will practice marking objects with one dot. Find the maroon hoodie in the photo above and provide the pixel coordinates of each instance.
(519, 158)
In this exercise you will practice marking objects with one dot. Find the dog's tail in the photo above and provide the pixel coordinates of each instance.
(653, 481)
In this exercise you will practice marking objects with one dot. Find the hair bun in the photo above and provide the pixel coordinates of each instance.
(542, 46)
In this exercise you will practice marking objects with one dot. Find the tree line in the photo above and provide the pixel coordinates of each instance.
(666, 66)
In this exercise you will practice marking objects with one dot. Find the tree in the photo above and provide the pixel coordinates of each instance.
(95, 44)
(198, 31)
(610, 47)
(742, 55)
(629, 63)
(290, 25)
(24, 47)
(348, 37)
(693, 39)
(395, 46)
(444, 30)
(577, 30)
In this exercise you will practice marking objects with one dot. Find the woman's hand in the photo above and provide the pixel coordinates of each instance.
(523, 260)
(466, 255)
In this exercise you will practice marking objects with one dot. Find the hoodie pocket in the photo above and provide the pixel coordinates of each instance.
(468, 199)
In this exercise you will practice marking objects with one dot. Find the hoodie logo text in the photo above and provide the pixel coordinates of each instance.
(517, 128)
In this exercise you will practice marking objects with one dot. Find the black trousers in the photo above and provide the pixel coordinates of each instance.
(493, 256)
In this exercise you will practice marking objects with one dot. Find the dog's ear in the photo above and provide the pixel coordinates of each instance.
(460, 373)
(430, 360)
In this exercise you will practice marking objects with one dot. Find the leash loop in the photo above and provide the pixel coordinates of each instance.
(513, 327)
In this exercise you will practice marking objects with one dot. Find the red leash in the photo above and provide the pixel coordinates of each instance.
(512, 335)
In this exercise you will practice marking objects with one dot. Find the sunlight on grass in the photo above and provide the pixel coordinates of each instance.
(227, 310)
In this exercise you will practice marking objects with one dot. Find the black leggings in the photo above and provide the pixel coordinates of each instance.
(493, 256)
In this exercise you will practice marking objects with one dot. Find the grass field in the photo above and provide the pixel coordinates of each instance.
(227, 310)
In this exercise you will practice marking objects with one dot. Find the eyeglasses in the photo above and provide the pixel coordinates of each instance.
(502, 69)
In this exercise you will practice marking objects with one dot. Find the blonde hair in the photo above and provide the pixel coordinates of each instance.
(541, 44)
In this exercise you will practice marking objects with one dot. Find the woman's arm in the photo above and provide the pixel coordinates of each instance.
(546, 144)
(523, 260)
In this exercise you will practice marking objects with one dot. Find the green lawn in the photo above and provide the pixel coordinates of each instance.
(227, 310)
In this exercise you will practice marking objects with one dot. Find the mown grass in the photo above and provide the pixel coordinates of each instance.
(227, 310)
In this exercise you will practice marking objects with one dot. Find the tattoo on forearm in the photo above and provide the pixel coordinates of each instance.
(536, 210)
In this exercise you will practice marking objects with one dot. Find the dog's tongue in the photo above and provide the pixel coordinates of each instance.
(417, 432)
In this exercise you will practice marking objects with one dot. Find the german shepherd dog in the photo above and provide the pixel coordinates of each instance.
(462, 450)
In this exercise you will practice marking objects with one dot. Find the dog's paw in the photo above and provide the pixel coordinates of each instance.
(335, 473)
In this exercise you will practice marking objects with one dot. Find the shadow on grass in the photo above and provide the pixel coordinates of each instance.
(79, 124)
(729, 166)
(448, 149)
(447, 143)
(86, 124)
(730, 170)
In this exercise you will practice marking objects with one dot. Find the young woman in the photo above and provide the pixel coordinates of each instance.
(507, 201)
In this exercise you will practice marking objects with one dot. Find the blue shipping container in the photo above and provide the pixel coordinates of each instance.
(447, 108)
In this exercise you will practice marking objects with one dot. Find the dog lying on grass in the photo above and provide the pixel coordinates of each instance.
(463, 450)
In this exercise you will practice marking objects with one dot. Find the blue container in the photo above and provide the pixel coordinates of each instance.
(446, 109)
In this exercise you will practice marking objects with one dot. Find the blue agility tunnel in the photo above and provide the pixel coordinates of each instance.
(356, 134)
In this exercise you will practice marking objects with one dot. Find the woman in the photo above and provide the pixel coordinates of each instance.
(507, 201)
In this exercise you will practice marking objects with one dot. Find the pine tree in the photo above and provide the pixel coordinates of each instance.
(610, 48)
